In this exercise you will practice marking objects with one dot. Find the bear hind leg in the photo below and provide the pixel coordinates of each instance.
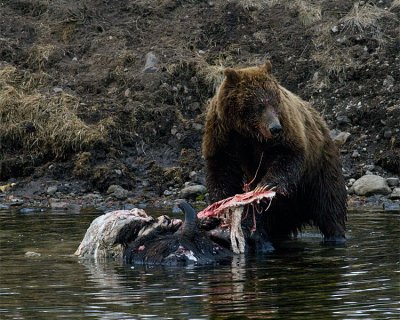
(330, 215)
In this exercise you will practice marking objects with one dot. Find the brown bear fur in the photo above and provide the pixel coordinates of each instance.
(298, 158)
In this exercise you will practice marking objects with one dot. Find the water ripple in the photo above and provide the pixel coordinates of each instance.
(303, 281)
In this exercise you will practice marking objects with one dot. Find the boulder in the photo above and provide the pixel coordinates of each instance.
(117, 192)
(52, 190)
(341, 138)
(57, 204)
(395, 194)
(371, 184)
(192, 191)
(151, 63)
(392, 182)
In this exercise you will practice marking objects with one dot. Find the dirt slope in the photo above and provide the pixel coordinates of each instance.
(76, 105)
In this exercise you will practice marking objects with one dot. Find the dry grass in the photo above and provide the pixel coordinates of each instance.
(395, 4)
(309, 11)
(40, 123)
(213, 75)
(335, 61)
(362, 21)
(40, 55)
(364, 18)
(255, 4)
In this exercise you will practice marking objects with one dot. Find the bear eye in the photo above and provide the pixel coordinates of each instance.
(262, 101)
(261, 106)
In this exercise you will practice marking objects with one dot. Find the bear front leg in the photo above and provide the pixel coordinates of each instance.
(283, 173)
(224, 177)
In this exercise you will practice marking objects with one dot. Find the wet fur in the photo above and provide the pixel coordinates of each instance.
(302, 162)
(168, 246)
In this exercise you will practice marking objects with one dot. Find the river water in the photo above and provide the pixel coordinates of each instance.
(304, 281)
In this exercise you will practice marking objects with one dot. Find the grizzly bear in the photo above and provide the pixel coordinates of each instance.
(257, 133)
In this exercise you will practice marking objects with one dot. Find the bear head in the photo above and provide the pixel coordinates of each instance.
(248, 102)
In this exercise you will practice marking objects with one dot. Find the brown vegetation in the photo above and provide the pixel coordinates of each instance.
(72, 80)
(36, 122)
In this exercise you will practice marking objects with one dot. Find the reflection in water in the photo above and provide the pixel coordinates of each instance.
(303, 280)
(159, 291)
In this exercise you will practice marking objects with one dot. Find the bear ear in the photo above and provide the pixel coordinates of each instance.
(267, 66)
(231, 75)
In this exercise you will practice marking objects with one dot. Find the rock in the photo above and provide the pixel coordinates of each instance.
(58, 205)
(57, 90)
(192, 175)
(189, 183)
(374, 201)
(167, 193)
(193, 191)
(194, 106)
(371, 184)
(121, 194)
(151, 62)
(4, 206)
(343, 120)
(176, 210)
(30, 210)
(32, 254)
(14, 202)
(142, 205)
(51, 190)
(387, 134)
(341, 138)
(174, 130)
(62, 205)
(197, 126)
(92, 196)
(393, 182)
(395, 194)
(351, 182)
(355, 154)
(128, 206)
(117, 192)
(145, 183)
(389, 205)
(369, 167)
(388, 82)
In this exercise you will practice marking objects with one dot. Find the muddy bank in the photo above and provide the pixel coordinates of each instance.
(40, 195)
(98, 93)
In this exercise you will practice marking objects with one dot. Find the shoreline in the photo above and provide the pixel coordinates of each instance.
(102, 203)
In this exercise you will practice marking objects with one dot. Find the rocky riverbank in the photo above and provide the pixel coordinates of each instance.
(102, 103)
(370, 192)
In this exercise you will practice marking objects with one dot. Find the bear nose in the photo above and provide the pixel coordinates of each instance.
(275, 129)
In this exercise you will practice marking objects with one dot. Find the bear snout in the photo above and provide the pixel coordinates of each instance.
(264, 131)
(275, 129)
